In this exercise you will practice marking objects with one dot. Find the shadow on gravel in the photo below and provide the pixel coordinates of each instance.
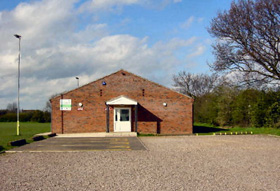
(204, 129)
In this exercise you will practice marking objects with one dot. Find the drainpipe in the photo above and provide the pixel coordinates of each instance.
(107, 118)
(136, 117)
(62, 129)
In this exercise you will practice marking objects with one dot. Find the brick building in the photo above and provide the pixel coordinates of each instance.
(122, 102)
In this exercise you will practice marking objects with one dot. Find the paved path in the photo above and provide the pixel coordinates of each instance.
(82, 144)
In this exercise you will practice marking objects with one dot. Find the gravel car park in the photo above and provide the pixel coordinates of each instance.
(245, 162)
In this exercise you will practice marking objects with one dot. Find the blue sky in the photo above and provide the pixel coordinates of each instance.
(62, 39)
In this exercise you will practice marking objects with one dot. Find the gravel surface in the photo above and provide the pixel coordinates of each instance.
(171, 163)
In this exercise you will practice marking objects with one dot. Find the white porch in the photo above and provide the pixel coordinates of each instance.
(122, 118)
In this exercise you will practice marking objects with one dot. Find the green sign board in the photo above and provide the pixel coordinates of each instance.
(65, 104)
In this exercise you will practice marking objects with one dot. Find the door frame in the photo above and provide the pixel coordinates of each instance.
(130, 118)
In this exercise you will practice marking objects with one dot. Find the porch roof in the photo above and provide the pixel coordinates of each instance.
(121, 100)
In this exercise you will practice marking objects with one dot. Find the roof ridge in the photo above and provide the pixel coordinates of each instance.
(122, 70)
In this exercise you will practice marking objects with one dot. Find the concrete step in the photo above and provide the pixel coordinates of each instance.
(101, 134)
(43, 134)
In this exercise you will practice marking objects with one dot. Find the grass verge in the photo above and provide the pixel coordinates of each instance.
(27, 131)
(206, 129)
(146, 135)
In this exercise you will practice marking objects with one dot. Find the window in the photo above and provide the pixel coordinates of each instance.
(124, 115)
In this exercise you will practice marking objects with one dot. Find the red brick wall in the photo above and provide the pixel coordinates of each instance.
(153, 117)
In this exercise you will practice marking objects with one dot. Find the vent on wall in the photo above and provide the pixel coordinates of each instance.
(143, 92)
(100, 93)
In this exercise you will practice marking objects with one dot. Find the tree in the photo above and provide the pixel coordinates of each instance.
(38, 116)
(48, 107)
(194, 85)
(243, 107)
(206, 109)
(226, 96)
(248, 40)
(12, 107)
(272, 115)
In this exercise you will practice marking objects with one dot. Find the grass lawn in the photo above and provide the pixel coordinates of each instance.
(27, 131)
(206, 129)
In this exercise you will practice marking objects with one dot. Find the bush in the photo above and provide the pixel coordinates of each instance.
(34, 116)
(272, 115)
(47, 116)
(38, 116)
(8, 117)
(227, 106)
(25, 117)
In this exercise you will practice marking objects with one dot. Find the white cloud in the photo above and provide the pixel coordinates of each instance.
(198, 51)
(98, 5)
(94, 6)
(91, 32)
(55, 50)
(208, 41)
(188, 23)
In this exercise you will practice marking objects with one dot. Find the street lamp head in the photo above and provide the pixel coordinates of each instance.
(17, 36)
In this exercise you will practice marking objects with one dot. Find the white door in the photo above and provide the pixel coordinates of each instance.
(122, 120)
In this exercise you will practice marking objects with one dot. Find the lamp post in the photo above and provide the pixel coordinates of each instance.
(19, 38)
(77, 80)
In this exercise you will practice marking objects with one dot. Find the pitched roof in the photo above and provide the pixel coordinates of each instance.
(121, 70)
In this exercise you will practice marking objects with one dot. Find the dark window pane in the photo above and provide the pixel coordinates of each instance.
(124, 115)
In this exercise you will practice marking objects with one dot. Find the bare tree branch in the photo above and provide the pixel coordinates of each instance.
(194, 85)
(248, 39)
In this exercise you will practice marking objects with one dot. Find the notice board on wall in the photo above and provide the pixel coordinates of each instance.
(65, 104)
